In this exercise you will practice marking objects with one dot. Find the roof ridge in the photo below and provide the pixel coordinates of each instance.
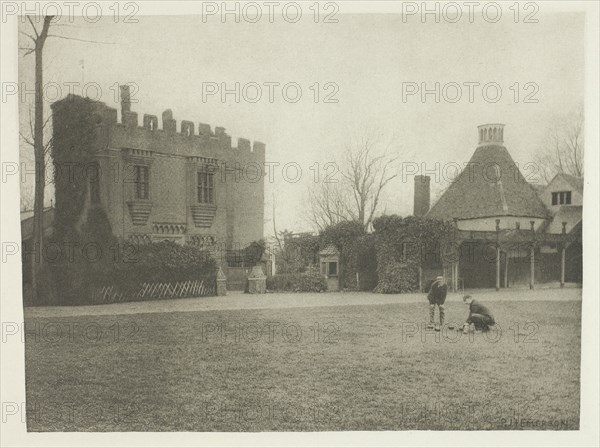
(479, 192)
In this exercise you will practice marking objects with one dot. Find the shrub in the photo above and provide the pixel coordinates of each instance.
(309, 281)
(165, 262)
(397, 277)
(248, 256)
(298, 253)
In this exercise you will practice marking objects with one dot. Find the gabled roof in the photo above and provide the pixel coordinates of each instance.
(329, 250)
(574, 181)
(571, 214)
(490, 185)
(538, 188)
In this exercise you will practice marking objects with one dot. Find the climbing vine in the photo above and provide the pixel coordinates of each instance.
(402, 244)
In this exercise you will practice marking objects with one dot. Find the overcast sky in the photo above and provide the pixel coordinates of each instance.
(367, 56)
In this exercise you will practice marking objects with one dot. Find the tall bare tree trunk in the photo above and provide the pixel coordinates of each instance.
(39, 157)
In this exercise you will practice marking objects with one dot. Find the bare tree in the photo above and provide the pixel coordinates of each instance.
(40, 149)
(329, 204)
(366, 170)
(563, 149)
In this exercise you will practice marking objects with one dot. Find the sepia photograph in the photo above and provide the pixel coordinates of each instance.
(332, 220)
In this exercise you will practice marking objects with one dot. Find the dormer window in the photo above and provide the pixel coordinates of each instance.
(561, 198)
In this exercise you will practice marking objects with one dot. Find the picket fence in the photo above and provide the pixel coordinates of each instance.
(149, 291)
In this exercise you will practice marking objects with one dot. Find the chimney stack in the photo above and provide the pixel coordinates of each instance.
(421, 204)
(125, 101)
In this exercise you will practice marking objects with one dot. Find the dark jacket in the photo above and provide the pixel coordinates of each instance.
(437, 293)
(477, 308)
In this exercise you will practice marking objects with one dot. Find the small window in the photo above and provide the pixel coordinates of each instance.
(561, 198)
(323, 268)
(206, 187)
(140, 182)
(332, 268)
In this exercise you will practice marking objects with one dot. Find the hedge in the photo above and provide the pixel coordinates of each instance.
(309, 281)
(73, 283)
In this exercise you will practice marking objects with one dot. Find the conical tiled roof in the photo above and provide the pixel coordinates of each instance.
(490, 185)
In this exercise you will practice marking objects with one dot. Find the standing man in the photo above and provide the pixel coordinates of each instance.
(479, 315)
(437, 296)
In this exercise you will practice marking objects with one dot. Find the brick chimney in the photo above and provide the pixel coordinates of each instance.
(125, 101)
(421, 204)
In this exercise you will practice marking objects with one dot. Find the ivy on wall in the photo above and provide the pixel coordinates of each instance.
(346, 236)
(402, 245)
(73, 147)
(298, 254)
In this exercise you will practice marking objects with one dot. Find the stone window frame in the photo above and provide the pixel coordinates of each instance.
(132, 159)
(326, 268)
(141, 182)
(205, 186)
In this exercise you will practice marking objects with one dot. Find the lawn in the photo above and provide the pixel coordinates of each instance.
(305, 369)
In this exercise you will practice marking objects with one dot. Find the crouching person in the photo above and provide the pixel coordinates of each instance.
(437, 296)
(479, 316)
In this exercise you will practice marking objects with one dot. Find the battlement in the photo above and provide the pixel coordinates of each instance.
(168, 137)
(187, 129)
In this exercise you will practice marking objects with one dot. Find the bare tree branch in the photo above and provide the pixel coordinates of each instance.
(33, 26)
(29, 142)
(29, 50)
(366, 172)
(28, 35)
(563, 149)
(82, 40)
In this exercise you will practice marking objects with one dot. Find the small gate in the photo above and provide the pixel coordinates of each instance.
(237, 277)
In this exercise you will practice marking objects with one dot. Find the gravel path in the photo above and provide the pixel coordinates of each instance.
(240, 301)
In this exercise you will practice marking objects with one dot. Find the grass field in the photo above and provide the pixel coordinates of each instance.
(305, 369)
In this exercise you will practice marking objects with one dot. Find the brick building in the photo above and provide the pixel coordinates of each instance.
(507, 230)
(188, 185)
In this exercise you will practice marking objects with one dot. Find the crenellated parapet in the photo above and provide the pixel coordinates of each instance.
(188, 140)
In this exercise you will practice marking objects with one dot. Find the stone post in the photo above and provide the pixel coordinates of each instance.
(221, 283)
(257, 281)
